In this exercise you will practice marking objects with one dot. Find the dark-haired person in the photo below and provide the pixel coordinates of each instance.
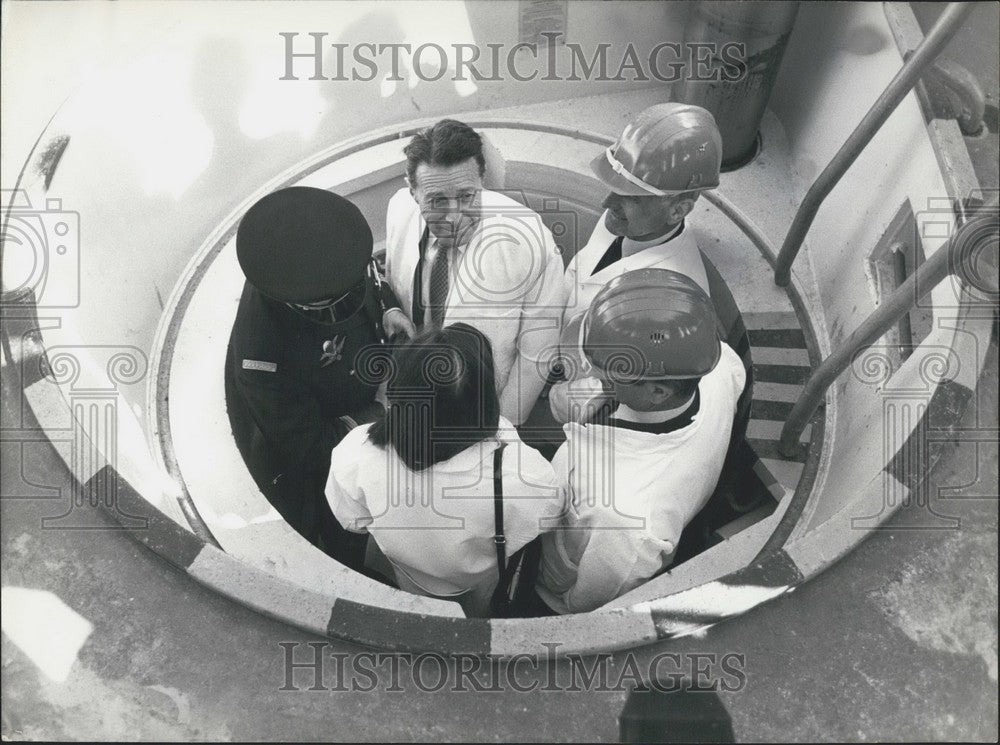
(310, 303)
(458, 252)
(420, 480)
(636, 479)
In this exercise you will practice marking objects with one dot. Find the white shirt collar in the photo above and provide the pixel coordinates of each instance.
(628, 414)
(630, 246)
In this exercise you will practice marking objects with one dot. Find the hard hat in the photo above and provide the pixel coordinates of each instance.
(303, 245)
(667, 149)
(651, 324)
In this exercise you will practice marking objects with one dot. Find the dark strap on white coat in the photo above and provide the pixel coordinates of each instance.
(418, 282)
(498, 536)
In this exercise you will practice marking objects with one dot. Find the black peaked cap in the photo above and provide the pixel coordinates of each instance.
(303, 245)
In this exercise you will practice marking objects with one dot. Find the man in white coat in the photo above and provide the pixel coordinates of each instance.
(458, 252)
(664, 159)
(636, 478)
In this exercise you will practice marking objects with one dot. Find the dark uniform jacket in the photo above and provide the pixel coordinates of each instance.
(290, 377)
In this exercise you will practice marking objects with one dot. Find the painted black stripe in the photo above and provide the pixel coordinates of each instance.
(783, 338)
(913, 461)
(665, 620)
(771, 410)
(769, 449)
(388, 629)
(742, 347)
(791, 374)
(775, 570)
(142, 520)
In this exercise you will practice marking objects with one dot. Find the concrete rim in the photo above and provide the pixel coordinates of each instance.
(772, 574)
(689, 611)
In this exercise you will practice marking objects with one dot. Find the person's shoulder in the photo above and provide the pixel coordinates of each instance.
(505, 208)
(585, 436)
(730, 358)
(401, 202)
(507, 435)
(530, 459)
(256, 333)
(354, 448)
(518, 229)
(728, 375)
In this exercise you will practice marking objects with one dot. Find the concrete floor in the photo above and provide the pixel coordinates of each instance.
(898, 641)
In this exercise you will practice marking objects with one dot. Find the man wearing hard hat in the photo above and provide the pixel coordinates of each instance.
(655, 172)
(310, 305)
(638, 476)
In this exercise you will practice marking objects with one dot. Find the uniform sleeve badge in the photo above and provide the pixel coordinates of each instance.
(332, 350)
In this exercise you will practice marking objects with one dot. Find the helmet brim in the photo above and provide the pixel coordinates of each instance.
(615, 181)
(618, 184)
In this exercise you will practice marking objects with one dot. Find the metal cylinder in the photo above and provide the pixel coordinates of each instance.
(734, 50)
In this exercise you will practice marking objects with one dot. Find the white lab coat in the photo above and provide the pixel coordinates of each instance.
(507, 283)
(679, 254)
(436, 526)
(631, 494)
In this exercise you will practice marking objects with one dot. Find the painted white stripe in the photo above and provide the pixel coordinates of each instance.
(786, 472)
(679, 629)
(817, 549)
(578, 634)
(770, 429)
(787, 392)
(42, 626)
(715, 599)
(73, 439)
(262, 591)
(780, 356)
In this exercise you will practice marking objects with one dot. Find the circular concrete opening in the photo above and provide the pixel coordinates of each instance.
(545, 168)
(183, 489)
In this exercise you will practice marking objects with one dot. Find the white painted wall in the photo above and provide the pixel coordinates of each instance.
(177, 115)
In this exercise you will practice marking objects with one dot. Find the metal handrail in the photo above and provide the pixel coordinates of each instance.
(958, 256)
(894, 93)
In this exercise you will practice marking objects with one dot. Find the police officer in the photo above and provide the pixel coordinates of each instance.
(311, 302)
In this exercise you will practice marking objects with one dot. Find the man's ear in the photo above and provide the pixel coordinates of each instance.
(681, 209)
(410, 186)
(658, 391)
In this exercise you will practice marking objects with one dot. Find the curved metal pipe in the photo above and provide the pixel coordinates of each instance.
(959, 256)
(955, 93)
(894, 93)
